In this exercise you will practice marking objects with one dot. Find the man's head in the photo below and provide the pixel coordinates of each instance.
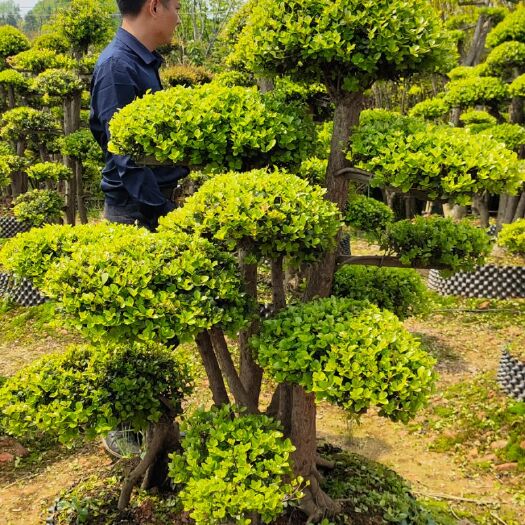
(156, 18)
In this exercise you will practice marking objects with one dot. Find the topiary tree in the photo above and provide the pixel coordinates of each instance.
(66, 87)
(185, 75)
(38, 60)
(10, 82)
(89, 390)
(38, 207)
(512, 237)
(47, 172)
(27, 128)
(12, 42)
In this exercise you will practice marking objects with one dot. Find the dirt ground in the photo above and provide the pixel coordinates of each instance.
(466, 344)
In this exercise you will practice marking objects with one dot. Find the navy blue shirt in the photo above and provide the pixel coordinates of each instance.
(125, 70)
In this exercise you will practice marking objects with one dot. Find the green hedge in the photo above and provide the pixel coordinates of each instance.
(400, 290)
(512, 237)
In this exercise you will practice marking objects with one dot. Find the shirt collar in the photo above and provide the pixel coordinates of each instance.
(138, 47)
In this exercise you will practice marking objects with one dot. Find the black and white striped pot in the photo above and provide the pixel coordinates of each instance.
(490, 281)
(21, 292)
(9, 227)
(511, 376)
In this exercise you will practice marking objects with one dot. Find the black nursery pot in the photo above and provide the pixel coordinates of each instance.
(22, 293)
(511, 376)
(490, 281)
(9, 227)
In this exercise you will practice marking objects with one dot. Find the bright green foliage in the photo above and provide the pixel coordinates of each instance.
(232, 466)
(31, 254)
(28, 124)
(185, 75)
(400, 290)
(511, 28)
(38, 60)
(345, 43)
(90, 390)
(214, 126)
(53, 41)
(368, 215)
(349, 353)
(275, 214)
(512, 237)
(10, 164)
(313, 170)
(12, 41)
(432, 108)
(304, 93)
(81, 145)
(60, 83)
(449, 162)
(460, 72)
(49, 171)
(234, 78)
(475, 117)
(503, 59)
(38, 207)
(86, 64)
(85, 23)
(438, 241)
(512, 135)
(473, 91)
(9, 77)
(148, 287)
(517, 87)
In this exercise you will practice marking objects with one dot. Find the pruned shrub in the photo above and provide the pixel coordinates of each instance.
(185, 75)
(89, 390)
(512, 237)
(212, 126)
(432, 108)
(313, 169)
(49, 171)
(349, 353)
(504, 58)
(277, 213)
(12, 41)
(233, 465)
(38, 207)
(38, 60)
(400, 290)
(512, 27)
(368, 215)
(60, 83)
(472, 91)
(437, 241)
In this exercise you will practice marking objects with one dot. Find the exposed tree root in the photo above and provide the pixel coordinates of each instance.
(159, 435)
(316, 503)
(324, 463)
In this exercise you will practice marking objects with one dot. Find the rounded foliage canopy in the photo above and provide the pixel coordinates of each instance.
(38, 207)
(49, 171)
(214, 126)
(272, 214)
(451, 163)
(400, 290)
(512, 27)
(90, 390)
(12, 41)
(346, 44)
(506, 57)
(473, 91)
(232, 464)
(58, 83)
(512, 237)
(38, 60)
(10, 77)
(349, 353)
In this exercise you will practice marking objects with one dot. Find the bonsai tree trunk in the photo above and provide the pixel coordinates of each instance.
(72, 124)
(82, 211)
(480, 202)
(520, 208)
(19, 181)
(483, 27)
(11, 101)
(316, 502)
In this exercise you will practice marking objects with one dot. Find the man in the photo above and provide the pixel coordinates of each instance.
(126, 69)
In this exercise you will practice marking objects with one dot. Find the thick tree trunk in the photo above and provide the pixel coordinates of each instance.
(250, 372)
(212, 369)
(346, 117)
(72, 124)
(454, 211)
(82, 210)
(11, 101)
(516, 115)
(483, 27)
(520, 208)
(481, 204)
(19, 181)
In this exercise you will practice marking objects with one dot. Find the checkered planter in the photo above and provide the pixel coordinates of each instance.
(511, 376)
(22, 293)
(491, 281)
(9, 227)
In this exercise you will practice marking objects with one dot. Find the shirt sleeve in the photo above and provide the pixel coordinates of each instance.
(117, 89)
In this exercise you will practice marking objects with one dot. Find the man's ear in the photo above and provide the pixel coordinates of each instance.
(153, 7)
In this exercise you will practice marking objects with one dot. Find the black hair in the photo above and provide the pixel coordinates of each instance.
(130, 7)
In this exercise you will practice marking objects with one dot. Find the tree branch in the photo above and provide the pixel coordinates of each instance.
(228, 369)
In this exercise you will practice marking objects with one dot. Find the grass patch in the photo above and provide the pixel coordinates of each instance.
(479, 423)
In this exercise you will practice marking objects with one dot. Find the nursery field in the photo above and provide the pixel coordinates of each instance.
(463, 455)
